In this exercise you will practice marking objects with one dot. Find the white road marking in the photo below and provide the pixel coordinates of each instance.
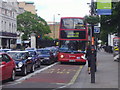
(30, 75)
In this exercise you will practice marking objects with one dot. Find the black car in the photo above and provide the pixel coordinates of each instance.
(24, 64)
(33, 55)
(55, 52)
(5, 50)
(46, 55)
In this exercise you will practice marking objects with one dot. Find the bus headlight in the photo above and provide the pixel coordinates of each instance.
(83, 57)
(62, 56)
(20, 64)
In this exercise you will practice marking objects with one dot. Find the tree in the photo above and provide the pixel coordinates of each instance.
(92, 19)
(110, 24)
(30, 23)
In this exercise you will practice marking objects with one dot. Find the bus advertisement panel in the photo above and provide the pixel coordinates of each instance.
(73, 36)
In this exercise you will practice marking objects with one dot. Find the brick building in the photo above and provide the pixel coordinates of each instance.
(54, 30)
(27, 6)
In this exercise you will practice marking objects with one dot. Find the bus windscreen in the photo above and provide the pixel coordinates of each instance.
(68, 46)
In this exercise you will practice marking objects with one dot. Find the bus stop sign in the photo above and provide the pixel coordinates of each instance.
(96, 30)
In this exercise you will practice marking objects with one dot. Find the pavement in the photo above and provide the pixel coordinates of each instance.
(105, 77)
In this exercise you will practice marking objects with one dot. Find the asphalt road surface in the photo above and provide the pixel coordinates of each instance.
(54, 76)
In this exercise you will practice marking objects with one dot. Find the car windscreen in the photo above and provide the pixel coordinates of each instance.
(18, 55)
(32, 53)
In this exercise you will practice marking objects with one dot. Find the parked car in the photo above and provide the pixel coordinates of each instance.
(30, 48)
(5, 50)
(46, 56)
(7, 67)
(24, 64)
(55, 52)
(33, 55)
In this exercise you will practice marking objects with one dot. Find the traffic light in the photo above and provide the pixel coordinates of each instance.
(39, 36)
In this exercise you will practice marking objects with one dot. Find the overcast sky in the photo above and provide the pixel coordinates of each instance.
(47, 9)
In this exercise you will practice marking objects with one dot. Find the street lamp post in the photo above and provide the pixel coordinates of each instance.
(54, 25)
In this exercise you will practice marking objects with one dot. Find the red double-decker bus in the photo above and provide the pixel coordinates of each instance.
(73, 35)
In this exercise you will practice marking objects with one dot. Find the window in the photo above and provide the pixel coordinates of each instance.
(5, 25)
(5, 11)
(0, 11)
(72, 23)
(5, 58)
(67, 45)
(11, 13)
(2, 25)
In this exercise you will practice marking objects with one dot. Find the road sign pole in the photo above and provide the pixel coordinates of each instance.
(92, 47)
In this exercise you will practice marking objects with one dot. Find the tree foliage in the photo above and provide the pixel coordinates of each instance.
(92, 19)
(30, 23)
(47, 37)
(110, 24)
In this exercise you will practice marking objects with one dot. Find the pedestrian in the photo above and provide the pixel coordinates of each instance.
(88, 56)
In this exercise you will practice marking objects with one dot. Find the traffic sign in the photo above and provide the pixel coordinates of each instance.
(104, 11)
(96, 30)
(104, 7)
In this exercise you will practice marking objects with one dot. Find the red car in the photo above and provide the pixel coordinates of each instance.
(7, 67)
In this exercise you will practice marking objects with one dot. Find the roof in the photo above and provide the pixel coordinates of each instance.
(43, 49)
(30, 50)
(5, 49)
(17, 51)
(2, 53)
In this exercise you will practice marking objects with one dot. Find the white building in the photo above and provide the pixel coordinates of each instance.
(8, 23)
(110, 39)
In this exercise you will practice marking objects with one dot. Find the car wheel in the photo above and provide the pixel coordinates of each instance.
(24, 71)
(62, 62)
(39, 63)
(33, 68)
(13, 76)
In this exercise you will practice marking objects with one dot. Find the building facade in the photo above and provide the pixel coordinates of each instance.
(27, 6)
(8, 23)
(54, 30)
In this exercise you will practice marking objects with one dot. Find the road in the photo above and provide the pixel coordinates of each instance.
(7, 82)
(52, 76)
(57, 76)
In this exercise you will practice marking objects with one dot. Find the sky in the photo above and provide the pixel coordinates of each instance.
(55, 9)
